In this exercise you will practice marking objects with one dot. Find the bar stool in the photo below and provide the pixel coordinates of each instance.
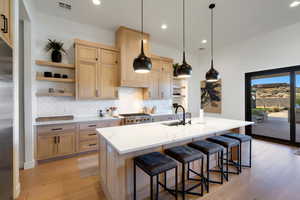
(228, 143)
(209, 148)
(242, 139)
(154, 164)
(186, 155)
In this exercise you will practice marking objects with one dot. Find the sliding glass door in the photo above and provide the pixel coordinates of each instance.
(273, 103)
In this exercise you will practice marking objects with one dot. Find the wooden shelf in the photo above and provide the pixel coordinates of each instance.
(62, 80)
(178, 96)
(55, 94)
(183, 87)
(53, 64)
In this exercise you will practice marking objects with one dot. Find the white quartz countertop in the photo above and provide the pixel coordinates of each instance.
(77, 120)
(131, 138)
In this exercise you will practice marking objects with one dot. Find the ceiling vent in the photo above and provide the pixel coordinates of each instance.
(64, 5)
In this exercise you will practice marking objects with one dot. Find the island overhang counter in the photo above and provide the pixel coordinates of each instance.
(119, 145)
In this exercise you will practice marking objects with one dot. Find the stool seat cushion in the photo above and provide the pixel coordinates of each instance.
(155, 163)
(206, 146)
(184, 154)
(224, 141)
(239, 137)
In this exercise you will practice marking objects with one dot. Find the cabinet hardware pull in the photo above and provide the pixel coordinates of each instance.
(92, 145)
(96, 59)
(6, 27)
(55, 140)
(92, 125)
(56, 129)
(92, 134)
(3, 29)
(58, 139)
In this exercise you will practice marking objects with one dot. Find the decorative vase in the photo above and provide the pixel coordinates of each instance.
(56, 56)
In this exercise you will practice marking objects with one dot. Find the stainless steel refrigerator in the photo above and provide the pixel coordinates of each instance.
(6, 122)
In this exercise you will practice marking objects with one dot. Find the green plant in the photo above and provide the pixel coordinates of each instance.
(175, 66)
(55, 46)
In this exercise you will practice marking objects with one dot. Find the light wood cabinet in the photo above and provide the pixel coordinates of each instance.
(160, 79)
(53, 145)
(96, 71)
(129, 43)
(6, 21)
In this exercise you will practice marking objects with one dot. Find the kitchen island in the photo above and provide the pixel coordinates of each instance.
(119, 145)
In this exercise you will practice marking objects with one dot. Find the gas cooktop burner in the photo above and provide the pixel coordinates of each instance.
(136, 118)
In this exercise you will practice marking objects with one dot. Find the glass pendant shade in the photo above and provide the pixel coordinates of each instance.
(184, 70)
(212, 75)
(142, 64)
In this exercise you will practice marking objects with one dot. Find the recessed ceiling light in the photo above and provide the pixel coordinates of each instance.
(204, 41)
(164, 26)
(295, 4)
(97, 2)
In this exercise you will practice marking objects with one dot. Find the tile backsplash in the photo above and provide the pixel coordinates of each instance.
(130, 101)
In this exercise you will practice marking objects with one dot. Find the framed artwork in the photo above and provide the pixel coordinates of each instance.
(211, 96)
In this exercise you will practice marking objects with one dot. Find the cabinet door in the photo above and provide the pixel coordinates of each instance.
(46, 147)
(108, 77)
(66, 144)
(6, 20)
(129, 43)
(165, 84)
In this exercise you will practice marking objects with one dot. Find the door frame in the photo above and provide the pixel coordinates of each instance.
(292, 72)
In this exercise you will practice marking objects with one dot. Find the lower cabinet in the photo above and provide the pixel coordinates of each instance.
(66, 139)
(53, 145)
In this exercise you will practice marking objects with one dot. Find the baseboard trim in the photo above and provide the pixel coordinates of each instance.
(17, 190)
(29, 165)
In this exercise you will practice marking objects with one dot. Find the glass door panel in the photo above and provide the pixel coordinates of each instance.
(297, 107)
(270, 105)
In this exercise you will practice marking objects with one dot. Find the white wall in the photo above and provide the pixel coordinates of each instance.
(45, 27)
(271, 50)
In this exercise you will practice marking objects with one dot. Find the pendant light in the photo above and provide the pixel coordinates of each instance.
(212, 75)
(184, 70)
(142, 64)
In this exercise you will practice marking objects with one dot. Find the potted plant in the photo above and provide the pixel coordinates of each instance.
(57, 48)
(175, 66)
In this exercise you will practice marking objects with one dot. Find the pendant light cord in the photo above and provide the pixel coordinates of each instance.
(142, 24)
(212, 34)
(183, 30)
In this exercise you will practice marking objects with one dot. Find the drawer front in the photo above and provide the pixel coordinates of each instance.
(88, 126)
(56, 128)
(88, 145)
(88, 135)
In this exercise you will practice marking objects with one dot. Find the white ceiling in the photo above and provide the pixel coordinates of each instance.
(235, 20)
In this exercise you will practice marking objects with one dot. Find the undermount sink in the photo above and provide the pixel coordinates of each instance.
(172, 124)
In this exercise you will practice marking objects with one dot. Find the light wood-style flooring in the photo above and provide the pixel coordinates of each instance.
(275, 176)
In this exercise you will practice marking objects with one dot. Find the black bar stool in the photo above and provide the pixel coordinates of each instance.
(228, 143)
(186, 155)
(242, 139)
(154, 164)
(209, 148)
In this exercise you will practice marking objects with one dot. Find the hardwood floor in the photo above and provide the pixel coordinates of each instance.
(275, 176)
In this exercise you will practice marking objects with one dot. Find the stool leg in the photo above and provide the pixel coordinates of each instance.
(183, 181)
(250, 156)
(157, 186)
(240, 158)
(151, 187)
(227, 163)
(165, 179)
(176, 183)
(207, 172)
(134, 180)
(202, 180)
(222, 167)
(188, 172)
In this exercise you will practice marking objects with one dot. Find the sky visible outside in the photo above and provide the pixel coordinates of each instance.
(279, 79)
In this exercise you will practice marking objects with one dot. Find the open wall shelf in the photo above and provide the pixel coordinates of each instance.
(55, 94)
(53, 64)
(62, 80)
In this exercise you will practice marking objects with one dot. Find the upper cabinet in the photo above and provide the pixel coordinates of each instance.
(96, 70)
(6, 21)
(160, 79)
(129, 43)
